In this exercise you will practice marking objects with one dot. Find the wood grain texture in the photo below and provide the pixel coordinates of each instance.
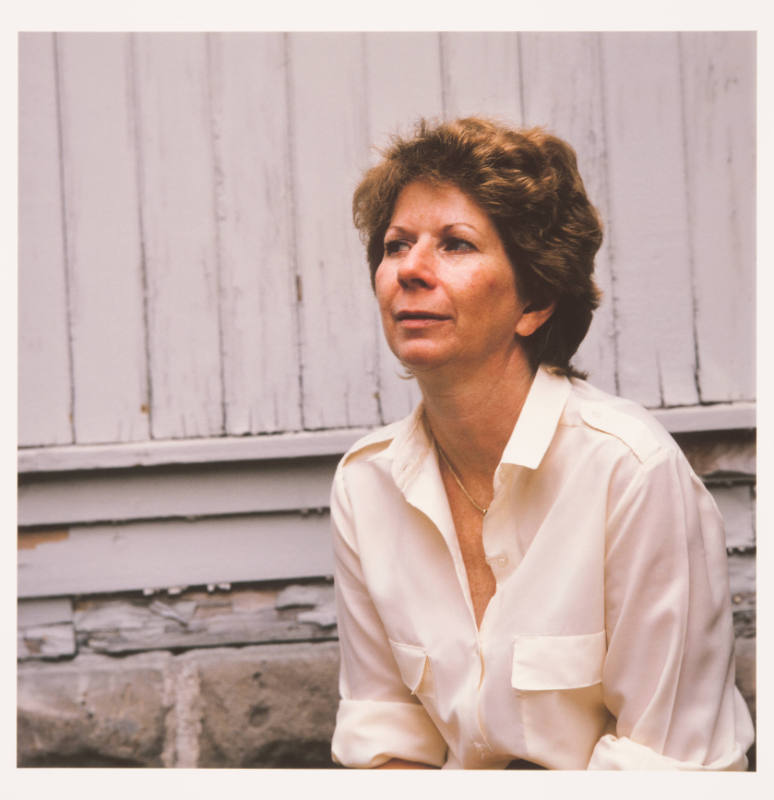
(718, 96)
(237, 300)
(403, 85)
(45, 641)
(45, 628)
(329, 151)
(557, 70)
(205, 619)
(258, 300)
(179, 235)
(481, 75)
(44, 353)
(104, 255)
(177, 553)
(648, 224)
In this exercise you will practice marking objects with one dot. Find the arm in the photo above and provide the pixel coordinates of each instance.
(669, 672)
(378, 720)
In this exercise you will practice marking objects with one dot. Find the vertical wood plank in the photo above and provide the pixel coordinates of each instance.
(481, 75)
(562, 92)
(404, 84)
(179, 233)
(260, 343)
(103, 239)
(329, 151)
(648, 226)
(719, 106)
(44, 357)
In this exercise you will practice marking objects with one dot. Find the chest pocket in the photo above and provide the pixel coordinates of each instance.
(552, 663)
(414, 666)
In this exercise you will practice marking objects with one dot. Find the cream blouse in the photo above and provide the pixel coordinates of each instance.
(608, 643)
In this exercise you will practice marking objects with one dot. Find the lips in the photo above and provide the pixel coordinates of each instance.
(419, 315)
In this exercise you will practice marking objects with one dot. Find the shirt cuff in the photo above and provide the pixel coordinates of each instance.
(612, 752)
(370, 732)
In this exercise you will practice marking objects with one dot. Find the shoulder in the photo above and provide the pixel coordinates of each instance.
(382, 441)
(370, 456)
(620, 421)
(372, 443)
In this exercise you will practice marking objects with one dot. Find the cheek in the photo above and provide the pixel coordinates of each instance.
(498, 296)
(382, 285)
(498, 289)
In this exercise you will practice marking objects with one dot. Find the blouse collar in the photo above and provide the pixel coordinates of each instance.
(409, 444)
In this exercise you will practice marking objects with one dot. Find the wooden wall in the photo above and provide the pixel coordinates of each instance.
(187, 264)
(190, 282)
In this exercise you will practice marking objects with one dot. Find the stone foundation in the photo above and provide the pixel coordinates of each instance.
(258, 706)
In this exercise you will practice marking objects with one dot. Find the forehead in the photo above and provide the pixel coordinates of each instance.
(440, 203)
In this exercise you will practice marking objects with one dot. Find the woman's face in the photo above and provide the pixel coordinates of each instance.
(446, 289)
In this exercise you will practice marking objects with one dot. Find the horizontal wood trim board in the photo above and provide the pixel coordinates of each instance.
(177, 553)
(721, 416)
(58, 501)
(189, 451)
(165, 492)
(49, 611)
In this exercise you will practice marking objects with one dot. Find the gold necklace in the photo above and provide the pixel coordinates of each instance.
(459, 481)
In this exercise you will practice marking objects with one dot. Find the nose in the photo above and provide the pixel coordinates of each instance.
(417, 267)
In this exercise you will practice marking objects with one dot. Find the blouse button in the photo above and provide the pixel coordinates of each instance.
(501, 561)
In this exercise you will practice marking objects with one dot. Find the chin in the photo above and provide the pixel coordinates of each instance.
(419, 359)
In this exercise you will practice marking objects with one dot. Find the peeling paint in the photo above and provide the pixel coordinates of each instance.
(29, 540)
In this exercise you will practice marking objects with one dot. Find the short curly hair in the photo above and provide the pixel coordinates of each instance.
(527, 181)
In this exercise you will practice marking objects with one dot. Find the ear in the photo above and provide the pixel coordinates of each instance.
(532, 318)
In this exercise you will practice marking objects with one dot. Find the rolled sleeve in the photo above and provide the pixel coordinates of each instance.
(369, 733)
(614, 753)
(378, 717)
(669, 671)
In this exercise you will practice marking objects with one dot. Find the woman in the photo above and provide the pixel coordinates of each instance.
(528, 572)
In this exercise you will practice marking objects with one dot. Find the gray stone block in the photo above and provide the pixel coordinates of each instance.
(267, 706)
(92, 712)
(262, 706)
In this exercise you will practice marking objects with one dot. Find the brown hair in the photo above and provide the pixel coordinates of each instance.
(527, 181)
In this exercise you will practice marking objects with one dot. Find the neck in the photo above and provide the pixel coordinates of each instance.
(471, 416)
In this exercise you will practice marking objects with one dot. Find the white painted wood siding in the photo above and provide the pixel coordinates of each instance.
(648, 222)
(188, 266)
(562, 65)
(255, 233)
(103, 247)
(45, 387)
(720, 123)
(329, 149)
(180, 235)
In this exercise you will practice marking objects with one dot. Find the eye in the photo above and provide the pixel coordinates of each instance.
(393, 246)
(456, 245)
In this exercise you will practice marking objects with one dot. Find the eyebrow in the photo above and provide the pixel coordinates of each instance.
(446, 228)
